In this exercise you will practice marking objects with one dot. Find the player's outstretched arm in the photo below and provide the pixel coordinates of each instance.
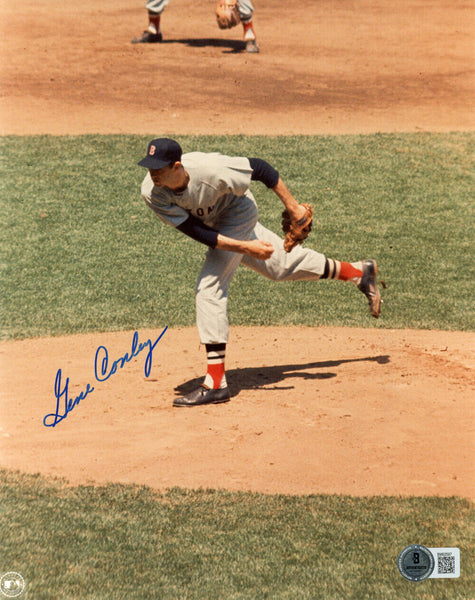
(296, 211)
(200, 232)
(265, 173)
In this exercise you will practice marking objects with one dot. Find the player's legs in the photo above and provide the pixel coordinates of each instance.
(153, 33)
(306, 264)
(300, 264)
(212, 302)
(213, 328)
(218, 270)
(156, 6)
(240, 222)
(211, 295)
(246, 10)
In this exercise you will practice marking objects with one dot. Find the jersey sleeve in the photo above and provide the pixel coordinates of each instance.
(262, 171)
(169, 213)
(200, 232)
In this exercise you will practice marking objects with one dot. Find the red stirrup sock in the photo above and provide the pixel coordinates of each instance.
(248, 31)
(153, 23)
(351, 272)
(335, 269)
(215, 375)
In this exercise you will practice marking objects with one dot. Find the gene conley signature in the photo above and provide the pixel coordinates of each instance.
(102, 372)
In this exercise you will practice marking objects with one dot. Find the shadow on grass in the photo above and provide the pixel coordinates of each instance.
(262, 378)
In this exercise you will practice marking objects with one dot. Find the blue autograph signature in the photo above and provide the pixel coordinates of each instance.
(102, 372)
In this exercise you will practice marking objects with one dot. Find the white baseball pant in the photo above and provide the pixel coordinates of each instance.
(240, 222)
(245, 8)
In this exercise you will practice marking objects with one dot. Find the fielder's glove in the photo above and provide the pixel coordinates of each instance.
(227, 14)
(296, 231)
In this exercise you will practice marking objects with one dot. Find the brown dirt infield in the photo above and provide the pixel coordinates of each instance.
(357, 411)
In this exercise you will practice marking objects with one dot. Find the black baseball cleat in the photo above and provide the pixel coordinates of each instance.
(203, 395)
(148, 38)
(369, 287)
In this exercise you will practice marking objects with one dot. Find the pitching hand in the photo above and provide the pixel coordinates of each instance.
(259, 249)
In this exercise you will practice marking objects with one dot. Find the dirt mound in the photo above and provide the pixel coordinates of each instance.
(356, 411)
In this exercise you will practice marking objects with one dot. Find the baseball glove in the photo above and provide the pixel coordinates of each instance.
(227, 14)
(296, 231)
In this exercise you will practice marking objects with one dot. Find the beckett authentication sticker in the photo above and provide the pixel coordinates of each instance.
(447, 562)
(416, 563)
(12, 585)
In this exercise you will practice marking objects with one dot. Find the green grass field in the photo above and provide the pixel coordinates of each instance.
(80, 252)
(124, 542)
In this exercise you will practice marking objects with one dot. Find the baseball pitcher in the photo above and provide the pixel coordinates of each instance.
(207, 197)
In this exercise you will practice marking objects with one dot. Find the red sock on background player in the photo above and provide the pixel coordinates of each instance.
(154, 23)
(250, 37)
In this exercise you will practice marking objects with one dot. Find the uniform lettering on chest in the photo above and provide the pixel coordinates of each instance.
(201, 212)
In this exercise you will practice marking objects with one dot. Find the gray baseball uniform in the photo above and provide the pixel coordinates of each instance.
(218, 194)
(245, 8)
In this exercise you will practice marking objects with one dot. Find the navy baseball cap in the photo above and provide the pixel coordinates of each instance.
(160, 153)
